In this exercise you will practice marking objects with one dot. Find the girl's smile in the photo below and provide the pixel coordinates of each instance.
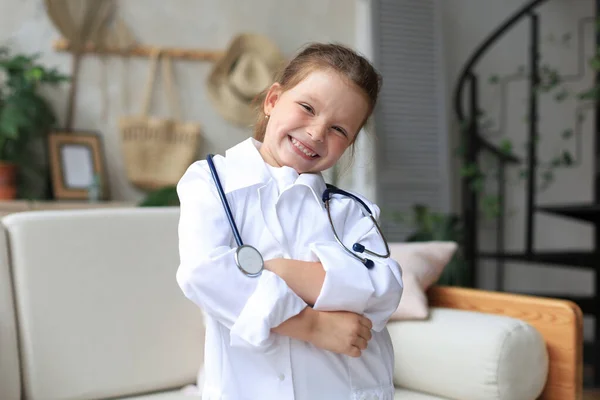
(302, 149)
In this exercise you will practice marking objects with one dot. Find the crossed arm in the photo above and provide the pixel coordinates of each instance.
(305, 278)
(342, 332)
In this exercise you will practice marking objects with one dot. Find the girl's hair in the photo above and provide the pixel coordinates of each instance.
(319, 57)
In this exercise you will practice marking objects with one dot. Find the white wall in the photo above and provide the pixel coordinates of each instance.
(465, 23)
(202, 24)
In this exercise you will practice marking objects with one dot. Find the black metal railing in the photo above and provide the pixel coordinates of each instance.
(475, 143)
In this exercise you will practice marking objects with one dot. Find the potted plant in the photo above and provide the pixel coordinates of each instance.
(25, 120)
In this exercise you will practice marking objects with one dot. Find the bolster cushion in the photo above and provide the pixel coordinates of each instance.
(469, 355)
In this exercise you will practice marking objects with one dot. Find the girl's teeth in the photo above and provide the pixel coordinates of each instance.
(302, 148)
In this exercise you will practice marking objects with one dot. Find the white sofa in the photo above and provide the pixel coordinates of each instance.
(90, 309)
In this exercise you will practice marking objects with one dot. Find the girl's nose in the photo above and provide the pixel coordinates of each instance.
(317, 132)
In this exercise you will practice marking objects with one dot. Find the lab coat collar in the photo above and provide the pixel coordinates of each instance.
(246, 167)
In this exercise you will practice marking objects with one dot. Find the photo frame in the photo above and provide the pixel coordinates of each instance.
(76, 159)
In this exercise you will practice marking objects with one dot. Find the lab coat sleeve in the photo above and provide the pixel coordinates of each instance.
(349, 285)
(209, 276)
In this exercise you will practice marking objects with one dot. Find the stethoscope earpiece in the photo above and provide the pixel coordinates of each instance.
(357, 247)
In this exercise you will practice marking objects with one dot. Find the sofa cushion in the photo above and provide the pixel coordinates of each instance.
(10, 382)
(100, 311)
(469, 355)
(422, 264)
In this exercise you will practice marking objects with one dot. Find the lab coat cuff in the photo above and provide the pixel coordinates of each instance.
(347, 285)
(271, 304)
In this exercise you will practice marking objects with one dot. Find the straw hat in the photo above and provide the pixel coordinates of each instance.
(247, 68)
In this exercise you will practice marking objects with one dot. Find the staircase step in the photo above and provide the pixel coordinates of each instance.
(586, 303)
(584, 259)
(584, 212)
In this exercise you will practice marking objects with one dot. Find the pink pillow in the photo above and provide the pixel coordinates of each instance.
(422, 264)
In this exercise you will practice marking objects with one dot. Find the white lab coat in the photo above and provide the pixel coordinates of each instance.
(282, 215)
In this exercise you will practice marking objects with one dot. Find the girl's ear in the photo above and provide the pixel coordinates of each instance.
(272, 98)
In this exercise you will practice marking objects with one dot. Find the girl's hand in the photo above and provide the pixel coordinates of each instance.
(341, 332)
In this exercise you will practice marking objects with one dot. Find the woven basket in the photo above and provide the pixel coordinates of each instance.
(157, 151)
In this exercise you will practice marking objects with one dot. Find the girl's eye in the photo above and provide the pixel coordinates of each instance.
(340, 130)
(307, 108)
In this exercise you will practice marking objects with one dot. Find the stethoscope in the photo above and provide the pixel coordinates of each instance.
(250, 261)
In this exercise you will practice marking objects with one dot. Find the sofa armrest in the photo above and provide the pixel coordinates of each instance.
(560, 323)
(458, 354)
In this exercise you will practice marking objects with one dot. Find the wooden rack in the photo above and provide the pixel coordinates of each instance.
(63, 45)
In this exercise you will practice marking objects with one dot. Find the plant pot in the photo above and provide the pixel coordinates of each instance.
(8, 181)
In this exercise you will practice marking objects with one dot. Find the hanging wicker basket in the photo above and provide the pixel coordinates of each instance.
(157, 151)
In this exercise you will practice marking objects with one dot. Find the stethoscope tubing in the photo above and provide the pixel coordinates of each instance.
(215, 176)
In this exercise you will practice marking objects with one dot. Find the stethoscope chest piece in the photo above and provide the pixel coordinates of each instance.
(249, 260)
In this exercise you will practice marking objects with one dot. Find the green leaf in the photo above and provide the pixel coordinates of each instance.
(523, 174)
(34, 74)
(567, 158)
(477, 184)
(491, 206)
(567, 134)
(506, 146)
(547, 177)
(561, 95)
(594, 62)
(12, 120)
(166, 196)
(494, 79)
(469, 170)
(589, 94)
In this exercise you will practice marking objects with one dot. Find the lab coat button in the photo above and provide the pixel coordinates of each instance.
(281, 377)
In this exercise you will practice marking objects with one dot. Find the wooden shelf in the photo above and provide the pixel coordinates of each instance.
(63, 45)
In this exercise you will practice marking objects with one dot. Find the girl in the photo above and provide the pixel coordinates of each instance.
(312, 324)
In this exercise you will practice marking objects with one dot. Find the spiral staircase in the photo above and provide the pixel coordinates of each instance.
(467, 106)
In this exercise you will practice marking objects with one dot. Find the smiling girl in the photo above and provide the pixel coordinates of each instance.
(312, 325)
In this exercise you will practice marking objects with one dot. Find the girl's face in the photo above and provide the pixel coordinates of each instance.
(312, 124)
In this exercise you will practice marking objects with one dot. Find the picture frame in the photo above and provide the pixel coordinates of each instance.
(76, 159)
